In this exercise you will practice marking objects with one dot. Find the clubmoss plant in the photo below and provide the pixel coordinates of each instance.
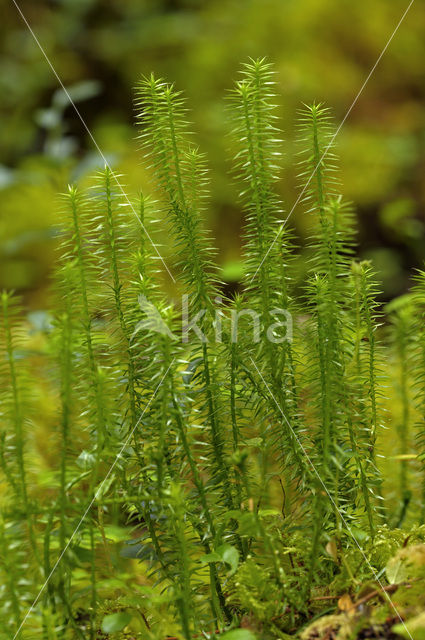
(218, 460)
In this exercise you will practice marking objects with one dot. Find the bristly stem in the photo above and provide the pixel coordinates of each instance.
(117, 286)
(18, 422)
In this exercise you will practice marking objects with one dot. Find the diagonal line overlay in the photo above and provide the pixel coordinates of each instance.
(360, 91)
(93, 500)
(83, 122)
(331, 499)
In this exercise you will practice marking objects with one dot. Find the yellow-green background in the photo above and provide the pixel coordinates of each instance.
(322, 50)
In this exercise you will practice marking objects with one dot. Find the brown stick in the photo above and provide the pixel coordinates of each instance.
(388, 589)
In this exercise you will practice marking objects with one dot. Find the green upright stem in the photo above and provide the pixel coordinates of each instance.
(18, 422)
(117, 288)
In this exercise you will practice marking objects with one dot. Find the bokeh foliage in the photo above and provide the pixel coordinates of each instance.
(322, 50)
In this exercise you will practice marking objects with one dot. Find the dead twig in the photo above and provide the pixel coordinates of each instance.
(391, 588)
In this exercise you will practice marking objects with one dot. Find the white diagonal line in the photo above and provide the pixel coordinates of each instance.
(368, 77)
(98, 491)
(331, 499)
(91, 136)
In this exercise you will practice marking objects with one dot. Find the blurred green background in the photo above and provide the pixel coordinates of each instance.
(322, 50)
